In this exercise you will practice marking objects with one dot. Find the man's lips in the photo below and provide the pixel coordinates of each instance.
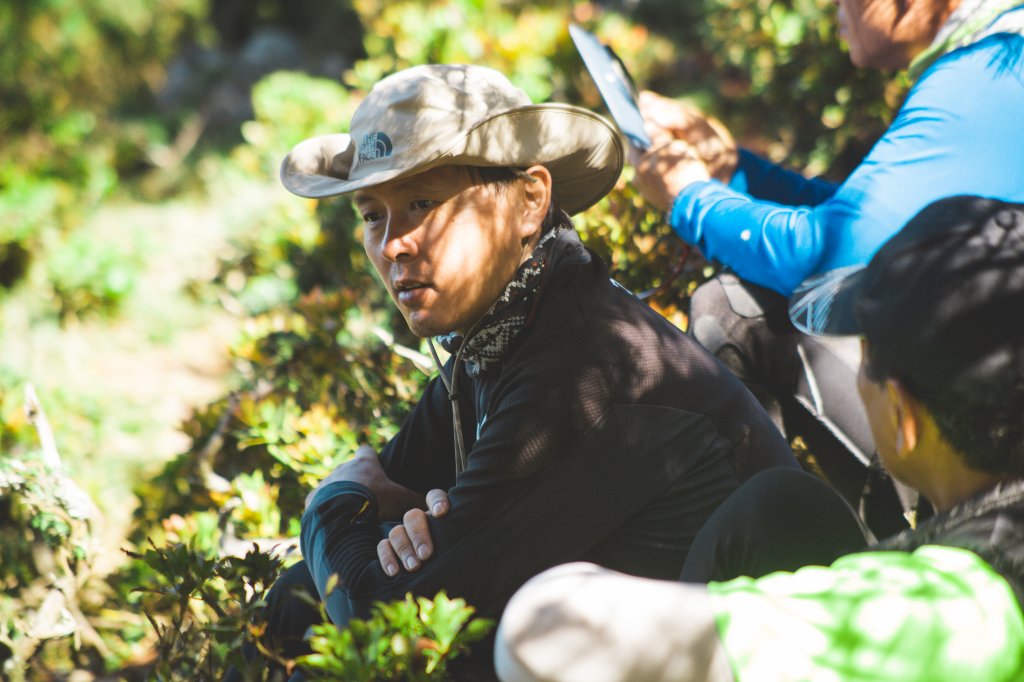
(411, 292)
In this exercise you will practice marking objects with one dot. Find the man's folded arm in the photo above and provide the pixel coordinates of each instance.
(541, 488)
(421, 455)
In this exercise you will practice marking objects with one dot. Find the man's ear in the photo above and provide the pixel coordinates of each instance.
(536, 200)
(906, 411)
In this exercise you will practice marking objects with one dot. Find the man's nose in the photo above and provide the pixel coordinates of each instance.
(401, 239)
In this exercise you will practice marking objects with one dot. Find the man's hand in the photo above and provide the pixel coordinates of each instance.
(708, 136)
(410, 544)
(364, 468)
(664, 171)
(686, 146)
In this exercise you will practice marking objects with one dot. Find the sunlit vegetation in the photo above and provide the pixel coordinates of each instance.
(142, 231)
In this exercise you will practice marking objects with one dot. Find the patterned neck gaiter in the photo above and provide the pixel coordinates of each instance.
(501, 324)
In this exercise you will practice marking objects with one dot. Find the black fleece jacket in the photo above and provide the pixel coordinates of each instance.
(605, 435)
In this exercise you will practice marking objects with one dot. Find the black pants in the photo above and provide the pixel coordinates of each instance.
(778, 520)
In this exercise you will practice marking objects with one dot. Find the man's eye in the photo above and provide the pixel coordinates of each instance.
(423, 204)
(371, 217)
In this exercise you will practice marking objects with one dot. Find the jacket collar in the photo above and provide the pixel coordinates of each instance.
(1006, 495)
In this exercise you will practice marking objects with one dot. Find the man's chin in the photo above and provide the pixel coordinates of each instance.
(424, 327)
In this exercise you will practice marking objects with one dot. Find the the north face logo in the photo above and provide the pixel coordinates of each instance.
(375, 146)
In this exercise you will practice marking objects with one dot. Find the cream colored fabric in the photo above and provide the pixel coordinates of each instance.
(582, 623)
(435, 115)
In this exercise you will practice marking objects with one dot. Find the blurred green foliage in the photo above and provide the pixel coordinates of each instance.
(46, 549)
(91, 277)
(74, 74)
(773, 70)
(529, 42)
(518, 40)
(297, 245)
(324, 362)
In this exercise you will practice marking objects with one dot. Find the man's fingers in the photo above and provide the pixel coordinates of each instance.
(662, 111)
(403, 547)
(437, 503)
(711, 139)
(417, 528)
(408, 545)
(676, 117)
(664, 171)
(387, 557)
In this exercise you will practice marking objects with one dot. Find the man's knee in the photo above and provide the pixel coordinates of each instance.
(747, 328)
(710, 314)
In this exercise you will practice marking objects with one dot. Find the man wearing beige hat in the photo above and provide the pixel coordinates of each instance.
(570, 421)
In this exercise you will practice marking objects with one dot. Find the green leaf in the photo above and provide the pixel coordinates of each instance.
(444, 618)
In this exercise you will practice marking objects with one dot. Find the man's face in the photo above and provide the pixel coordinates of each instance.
(878, 404)
(444, 247)
(888, 34)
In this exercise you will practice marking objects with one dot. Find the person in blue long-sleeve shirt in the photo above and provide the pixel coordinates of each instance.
(959, 131)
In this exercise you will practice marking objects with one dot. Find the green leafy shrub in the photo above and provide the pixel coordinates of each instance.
(297, 245)
(528, 42)
(316, 381)
(410, 640)
(202, 609)
(517, 38)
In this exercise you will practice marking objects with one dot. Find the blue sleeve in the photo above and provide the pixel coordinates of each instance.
(764, 242)
(959, 132)
(342, 511)
(763, 179)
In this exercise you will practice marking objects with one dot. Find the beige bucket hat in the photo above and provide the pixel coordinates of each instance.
(436, 115)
